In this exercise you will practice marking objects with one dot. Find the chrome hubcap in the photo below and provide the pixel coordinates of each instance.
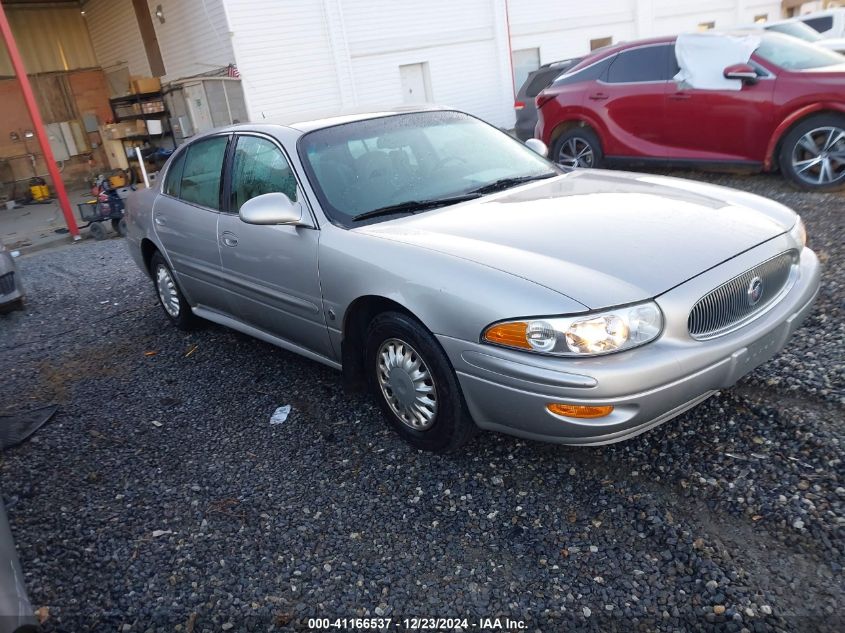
(406, 384)
(819, 156)
(167, 293)
(576, 152)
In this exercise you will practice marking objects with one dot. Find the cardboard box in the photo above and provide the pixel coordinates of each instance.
(124, 129)
(141, 85)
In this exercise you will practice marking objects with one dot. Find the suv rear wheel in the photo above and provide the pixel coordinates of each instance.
(812, 154)
(577, 147)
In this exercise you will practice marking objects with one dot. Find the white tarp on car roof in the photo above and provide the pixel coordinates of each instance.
(703, 58)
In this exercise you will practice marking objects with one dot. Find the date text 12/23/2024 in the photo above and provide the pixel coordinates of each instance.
(416, 624)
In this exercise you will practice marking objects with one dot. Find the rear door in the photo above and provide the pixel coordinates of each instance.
(270, 272)
(185, 219)
(631, 99)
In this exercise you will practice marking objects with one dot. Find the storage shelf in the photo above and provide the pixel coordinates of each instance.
(138, 97)
(147, 115)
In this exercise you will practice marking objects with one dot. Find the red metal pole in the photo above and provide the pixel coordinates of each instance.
(38, 123)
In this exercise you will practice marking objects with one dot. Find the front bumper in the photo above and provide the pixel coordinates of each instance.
(508, 391)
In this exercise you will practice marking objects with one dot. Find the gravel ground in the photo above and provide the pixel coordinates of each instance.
(161, 499)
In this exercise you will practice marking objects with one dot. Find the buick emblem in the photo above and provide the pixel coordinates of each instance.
(755, 291)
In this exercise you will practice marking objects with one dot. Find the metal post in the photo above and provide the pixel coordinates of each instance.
(38, 123)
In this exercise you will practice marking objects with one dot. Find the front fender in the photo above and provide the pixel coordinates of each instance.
(792, 119)
(451, 296)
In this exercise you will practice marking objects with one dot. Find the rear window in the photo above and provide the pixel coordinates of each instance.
(821, 24)
(543, 78)
(589, 73)
(202, 171)
(649, 63)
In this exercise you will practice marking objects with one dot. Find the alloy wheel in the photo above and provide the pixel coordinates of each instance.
(167, 292)
(576, 152)
(406, 384)
(818, 157)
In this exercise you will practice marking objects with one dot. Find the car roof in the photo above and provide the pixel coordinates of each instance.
(362, 115)
(613, 49)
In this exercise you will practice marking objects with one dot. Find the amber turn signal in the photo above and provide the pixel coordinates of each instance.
(579, 410)
(512, 334)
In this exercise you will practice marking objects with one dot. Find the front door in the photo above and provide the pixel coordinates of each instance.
(185, 219)
(721, 125)
(270, 272)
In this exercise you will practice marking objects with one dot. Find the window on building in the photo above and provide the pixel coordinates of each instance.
(259, 167)
(649, 63)
(761, 17)
(201, 175)
(822, 24)
(525, 61)
(600, 42)
(706, 26)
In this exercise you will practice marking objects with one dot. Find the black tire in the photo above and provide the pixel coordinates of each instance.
(119, 226)
(179, 312)
(451, 426)
(798, 161)
(98, 231)
(573, 141)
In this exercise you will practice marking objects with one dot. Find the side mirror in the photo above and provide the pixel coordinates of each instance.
(271, 208)
(743, 72)
(538, 146)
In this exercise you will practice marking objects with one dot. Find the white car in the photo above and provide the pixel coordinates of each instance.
(11, 290)
(798, 28)
(829, 24)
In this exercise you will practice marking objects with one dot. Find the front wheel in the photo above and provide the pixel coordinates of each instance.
(415, 385)
(169, 296)
(812, 154)
(577, 147)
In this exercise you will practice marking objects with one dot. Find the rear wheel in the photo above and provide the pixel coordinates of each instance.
(415, 385)
(577, 147)
(170, 297)
(812, 154)
(98, 231)
(119, 226)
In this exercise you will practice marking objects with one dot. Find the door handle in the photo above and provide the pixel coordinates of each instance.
(159, 220)
(229, 239)
(598, 96)
(679, 96)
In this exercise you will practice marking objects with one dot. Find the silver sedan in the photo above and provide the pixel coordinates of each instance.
(467, 281)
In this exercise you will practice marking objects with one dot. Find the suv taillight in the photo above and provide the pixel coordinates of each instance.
(518, 105)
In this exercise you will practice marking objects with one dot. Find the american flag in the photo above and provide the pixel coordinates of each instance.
(232, 71)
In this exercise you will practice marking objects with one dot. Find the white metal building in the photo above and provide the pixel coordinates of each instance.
(303, 58)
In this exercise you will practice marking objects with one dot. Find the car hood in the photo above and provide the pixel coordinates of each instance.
(601, 238)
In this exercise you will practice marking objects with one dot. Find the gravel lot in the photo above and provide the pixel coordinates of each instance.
(161, 499)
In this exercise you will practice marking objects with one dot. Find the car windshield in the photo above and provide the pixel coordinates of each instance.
(408, 163)
(791, 53)
(796, 29)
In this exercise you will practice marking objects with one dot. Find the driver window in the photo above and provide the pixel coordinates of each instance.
(259, 167)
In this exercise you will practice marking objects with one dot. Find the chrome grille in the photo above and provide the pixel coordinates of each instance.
(731, 305)
(7, 283)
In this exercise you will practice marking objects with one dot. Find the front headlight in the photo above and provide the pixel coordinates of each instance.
(580, 335)
(799, 232)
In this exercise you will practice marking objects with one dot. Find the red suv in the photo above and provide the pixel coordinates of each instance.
(622, 104)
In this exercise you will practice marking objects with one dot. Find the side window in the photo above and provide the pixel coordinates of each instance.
(260, 167)
(822, 24)
(201, 174)
(650, 63)
(174, 175)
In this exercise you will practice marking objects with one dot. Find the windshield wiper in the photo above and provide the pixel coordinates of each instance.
(412, 206)
(507, 183)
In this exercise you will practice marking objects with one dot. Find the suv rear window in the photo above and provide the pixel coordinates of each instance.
(543, 78)
(589, 73)
(649, 63)
(822, 24)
